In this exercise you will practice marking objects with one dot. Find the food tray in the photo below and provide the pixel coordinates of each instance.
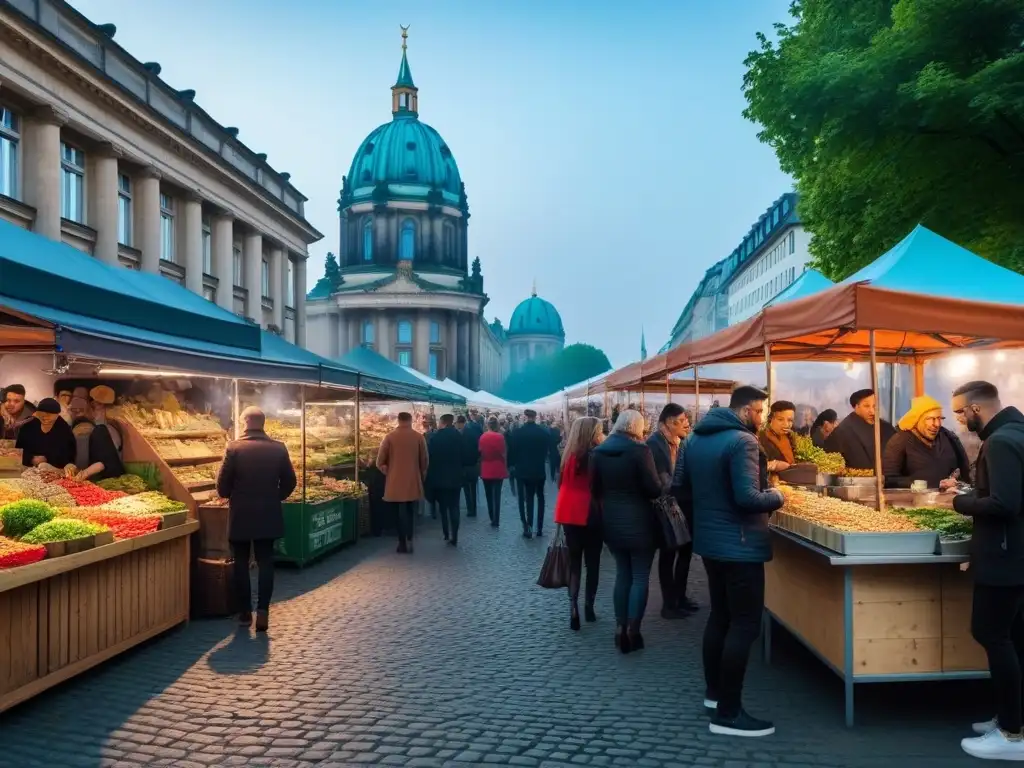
(842, 480)
(69, 547)
(847, 543)
(172, 519)
(955, 546)
(852, 492)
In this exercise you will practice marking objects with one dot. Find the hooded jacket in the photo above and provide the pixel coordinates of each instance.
(624, 482)
(725, 488)
(997, 503)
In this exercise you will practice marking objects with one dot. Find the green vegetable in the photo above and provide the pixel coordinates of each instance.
(127, 483)
(947, 523)
(62, 529)
(20, 517)
(147, 471)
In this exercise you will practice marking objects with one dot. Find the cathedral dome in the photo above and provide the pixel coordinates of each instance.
(405, 158)
(536, 317)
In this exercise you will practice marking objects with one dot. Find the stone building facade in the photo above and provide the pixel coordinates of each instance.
(100, 153)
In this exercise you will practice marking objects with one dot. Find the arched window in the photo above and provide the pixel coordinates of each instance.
(449, 243)
(407, 245)
(368, 239)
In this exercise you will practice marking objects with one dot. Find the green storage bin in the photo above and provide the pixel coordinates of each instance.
(311, 531)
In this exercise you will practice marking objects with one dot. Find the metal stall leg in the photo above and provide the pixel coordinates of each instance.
(848, 645)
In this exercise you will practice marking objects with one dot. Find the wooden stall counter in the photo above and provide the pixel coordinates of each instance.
(873, 619)
(61, 617)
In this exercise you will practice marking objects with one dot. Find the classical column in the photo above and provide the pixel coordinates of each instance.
(146, 198)
(103, 188)
(300, 300)
(381, 254)
(252, 260)
(421, 339)
(41, 176)
(451, 347)
(354, 323)
(437, 236)
(474, 351)
(342, 322)
(277, 283)
(193, 242)
(463, 377)
(382, 332)
(223, 244)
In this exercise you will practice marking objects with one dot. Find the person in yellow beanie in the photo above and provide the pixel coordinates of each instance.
(924, 450)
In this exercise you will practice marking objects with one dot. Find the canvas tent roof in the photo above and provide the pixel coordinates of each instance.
(474, 397)
(393, 380)
(809, 283)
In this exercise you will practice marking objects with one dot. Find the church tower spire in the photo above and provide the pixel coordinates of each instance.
(404, 93)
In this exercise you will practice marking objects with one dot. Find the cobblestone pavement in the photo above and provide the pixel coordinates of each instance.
(455, 657)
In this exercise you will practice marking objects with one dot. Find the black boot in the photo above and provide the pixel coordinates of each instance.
(621, 638)
(633, 636)
(574, 616)
(588, 612)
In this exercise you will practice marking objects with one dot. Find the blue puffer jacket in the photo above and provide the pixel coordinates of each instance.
(725, 481)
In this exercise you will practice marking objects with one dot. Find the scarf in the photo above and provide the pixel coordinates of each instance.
(783, 444)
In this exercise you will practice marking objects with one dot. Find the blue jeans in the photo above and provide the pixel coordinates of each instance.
(632, 576)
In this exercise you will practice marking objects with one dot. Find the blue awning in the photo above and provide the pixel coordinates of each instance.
(808, 284)
(397, 381)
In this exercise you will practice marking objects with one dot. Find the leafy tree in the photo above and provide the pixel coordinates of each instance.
(890, 113)
(332, 279)
(546, 375)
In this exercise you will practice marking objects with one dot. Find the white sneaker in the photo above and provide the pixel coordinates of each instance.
(987, 727)
(994, 746)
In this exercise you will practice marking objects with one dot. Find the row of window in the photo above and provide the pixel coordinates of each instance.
(72, 203)
(763, 293)
(403, 332)
(407, 240)
(769, 260)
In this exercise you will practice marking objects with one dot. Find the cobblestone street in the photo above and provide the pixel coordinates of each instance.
(455, 657)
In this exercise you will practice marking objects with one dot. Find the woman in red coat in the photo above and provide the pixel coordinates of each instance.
(572, 512)
(493, 468)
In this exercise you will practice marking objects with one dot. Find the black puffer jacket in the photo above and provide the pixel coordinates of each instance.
(623, 482)
(997, 503)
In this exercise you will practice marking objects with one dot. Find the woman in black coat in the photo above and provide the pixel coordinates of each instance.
(624, 483)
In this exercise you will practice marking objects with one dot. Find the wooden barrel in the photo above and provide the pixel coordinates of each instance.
(212, 593)
(213, 533)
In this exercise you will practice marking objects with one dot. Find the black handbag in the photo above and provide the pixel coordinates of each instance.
(554, 573)
(674, 530)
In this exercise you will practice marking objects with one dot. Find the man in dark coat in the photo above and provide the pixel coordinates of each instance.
(447, 475)
(256, 476)
(725, 484)
(997, 561)
(531, 454)
(470, 432)
(855, 435)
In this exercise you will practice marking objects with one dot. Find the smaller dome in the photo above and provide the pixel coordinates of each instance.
(536, 317)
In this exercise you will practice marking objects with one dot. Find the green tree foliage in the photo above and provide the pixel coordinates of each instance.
(332, 279)
(546, 375)
(890, 113)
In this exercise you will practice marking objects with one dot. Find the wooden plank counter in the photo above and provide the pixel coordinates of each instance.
(873, 619)
(61, 617)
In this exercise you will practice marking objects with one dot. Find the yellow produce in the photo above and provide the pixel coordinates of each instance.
(839, 515)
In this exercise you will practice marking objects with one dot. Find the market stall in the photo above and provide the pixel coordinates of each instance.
(876, 600)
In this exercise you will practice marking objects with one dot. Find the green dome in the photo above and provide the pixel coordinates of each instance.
(410, 158)
(536, 317)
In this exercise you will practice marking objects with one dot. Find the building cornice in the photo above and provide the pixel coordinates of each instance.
(85, 77)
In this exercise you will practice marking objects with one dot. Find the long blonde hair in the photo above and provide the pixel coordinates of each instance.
(582, 437)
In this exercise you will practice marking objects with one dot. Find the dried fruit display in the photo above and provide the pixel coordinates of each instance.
(123, 526)
(848, 472)
(149, 503)
(200, 473)
(37, 489)
(15, 553)
(88, 494)
(20, 517)
(846, 516)
(348, 489)
(149, 420)
(62, 529)
(829, 463)
(9, 494)
(128, 484)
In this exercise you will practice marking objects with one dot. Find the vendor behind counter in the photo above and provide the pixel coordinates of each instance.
(46, 438)
(924, 450)
(854, 438)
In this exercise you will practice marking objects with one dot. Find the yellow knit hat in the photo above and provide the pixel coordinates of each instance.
(919, 406)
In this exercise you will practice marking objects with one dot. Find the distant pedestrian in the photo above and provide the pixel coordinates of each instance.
(725, 484)
(402, 457)
(446, 473)
(493, 468)
(996, 506)
(573, 513)
(255, 477)
(666, 444)
(532, 454)
(624, 483)
(471, 433)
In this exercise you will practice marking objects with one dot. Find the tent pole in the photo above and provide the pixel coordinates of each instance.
(643, 405)
(302, 426)
(880, 498)
(892, 392)
(768, 370)
(358, 392)
(696, 393)
(668, 389)
(236, 409)
(918, 377)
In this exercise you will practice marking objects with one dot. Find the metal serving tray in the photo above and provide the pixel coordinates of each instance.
(842, 480)
(845, 543)
(955, 546)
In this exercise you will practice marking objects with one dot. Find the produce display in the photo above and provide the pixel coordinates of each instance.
(31, 488)
(198, 474)
(16, 553)
(10, 457)
(20, 517)
(149, 420)
(62, 529)
(184, 450)
(948, 524)
(128, 484)
(828, 463)
(88, 494)
(144, 504)
(9, 494)
(846, 516)
(123, 526)
(373, 427)
(848, 472)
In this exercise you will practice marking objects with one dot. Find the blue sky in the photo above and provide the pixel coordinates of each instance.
(601, 143)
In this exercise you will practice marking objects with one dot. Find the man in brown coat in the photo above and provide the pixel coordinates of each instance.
(403, 460)
(256, 476)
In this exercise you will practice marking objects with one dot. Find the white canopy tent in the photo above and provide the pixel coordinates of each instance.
(482, 398)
